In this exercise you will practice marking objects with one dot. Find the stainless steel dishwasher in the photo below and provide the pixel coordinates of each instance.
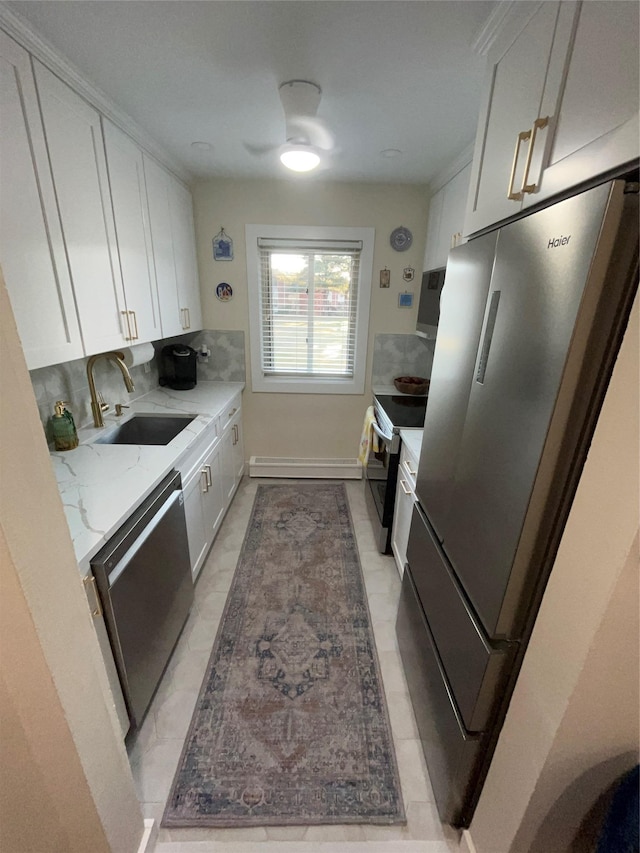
(144, 578)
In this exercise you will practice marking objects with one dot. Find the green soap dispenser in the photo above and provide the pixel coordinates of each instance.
(65, 436)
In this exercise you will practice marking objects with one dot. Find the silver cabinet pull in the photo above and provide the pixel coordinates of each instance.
(208, 470)
(232, 412)
(205, 485)
(188, 318)
(404, 487)
(90, 581)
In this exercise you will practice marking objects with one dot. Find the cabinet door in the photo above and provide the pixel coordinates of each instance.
(185, 255)
(76, 152)
(452, 216)
(32, 253)
(227, 464)
(401, 521)
(214, 499)
(433, 231)
(129, 197)
(194, 493)
(597, 116)
(512, 102)
(163, 241)
(238, 449)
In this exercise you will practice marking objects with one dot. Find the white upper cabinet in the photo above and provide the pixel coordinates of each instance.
(163, 251)
(31, 245)
(597, 127)
(172, 231)
(129, 198)
(518, 69)
(560, 105)
(446, 219)
(76, 152)
(185, 253)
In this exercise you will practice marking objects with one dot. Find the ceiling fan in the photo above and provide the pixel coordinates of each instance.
(307, 137)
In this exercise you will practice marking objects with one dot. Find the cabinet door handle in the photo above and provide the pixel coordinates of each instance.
(522, 137)
(205, 486)
(208, 470)
(125, 314)
(404, 487)
(135, 325)
(183, 318)
(235, 434)
(232, 412)
(188, 318)
(538, 124)
(91, 581)
(409, 471)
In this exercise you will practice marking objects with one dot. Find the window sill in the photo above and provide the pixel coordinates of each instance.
(279, 385)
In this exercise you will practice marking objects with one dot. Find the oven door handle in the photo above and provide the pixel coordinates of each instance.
(380, 434)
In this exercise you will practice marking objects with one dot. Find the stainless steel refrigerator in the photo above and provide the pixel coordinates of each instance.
(532, 316)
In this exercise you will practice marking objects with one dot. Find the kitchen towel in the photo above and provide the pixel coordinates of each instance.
(138, 354)
(368, 439)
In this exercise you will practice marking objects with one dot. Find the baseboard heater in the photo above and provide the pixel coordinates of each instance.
(280, 466)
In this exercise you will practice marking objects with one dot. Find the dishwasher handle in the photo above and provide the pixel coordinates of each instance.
(126, 558)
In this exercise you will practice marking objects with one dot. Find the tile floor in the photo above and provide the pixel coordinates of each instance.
(155, 752)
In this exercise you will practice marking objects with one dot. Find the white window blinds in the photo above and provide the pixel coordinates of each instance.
(308, 291)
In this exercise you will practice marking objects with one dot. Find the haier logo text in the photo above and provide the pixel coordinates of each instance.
(554, 242)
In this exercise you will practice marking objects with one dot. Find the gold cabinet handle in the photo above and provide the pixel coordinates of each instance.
(235, 434)
(538, 124)
(205, 488)
(126, 320)
(522, 137)
(91, 581)
(135, 325)
(404, 487)
(208, 470)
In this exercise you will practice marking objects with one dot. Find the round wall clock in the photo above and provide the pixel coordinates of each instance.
(401, 238)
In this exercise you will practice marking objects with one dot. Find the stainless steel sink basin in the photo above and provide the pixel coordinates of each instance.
(147, 429)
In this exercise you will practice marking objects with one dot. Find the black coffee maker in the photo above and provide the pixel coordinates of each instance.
(178, 367)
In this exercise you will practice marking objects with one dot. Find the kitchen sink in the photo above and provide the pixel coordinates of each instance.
(147, 429)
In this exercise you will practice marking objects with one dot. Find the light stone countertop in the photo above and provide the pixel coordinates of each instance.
(101, 484)
(413, 439)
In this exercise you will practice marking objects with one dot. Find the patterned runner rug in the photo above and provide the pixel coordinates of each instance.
(291, 725)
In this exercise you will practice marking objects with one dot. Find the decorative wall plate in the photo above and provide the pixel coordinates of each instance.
(401, 238)
(224, 291)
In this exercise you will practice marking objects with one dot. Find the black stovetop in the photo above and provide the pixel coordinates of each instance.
(403, 411)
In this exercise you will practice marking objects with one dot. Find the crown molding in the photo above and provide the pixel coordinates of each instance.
(490, 30)
(463, 159)
(19, 29)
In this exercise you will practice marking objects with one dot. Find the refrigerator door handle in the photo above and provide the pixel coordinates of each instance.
(488, 336)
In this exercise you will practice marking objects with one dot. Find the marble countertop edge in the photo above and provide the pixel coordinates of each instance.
(102, 484)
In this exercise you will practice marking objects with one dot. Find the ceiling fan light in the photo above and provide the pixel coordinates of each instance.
(300, 158)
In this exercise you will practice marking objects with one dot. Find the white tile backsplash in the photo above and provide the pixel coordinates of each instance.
(68, 381)
(400, 355)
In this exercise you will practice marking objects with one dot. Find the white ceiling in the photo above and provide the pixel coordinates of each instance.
(394, 74)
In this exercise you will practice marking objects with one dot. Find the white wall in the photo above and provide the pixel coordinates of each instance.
(307, 425)
(573, 724)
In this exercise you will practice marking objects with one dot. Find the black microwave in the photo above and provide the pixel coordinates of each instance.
(429, 304)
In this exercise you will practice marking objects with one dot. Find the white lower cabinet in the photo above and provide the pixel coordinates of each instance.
(232, 454)
(204, 505)
(405, 499)
(210, 478)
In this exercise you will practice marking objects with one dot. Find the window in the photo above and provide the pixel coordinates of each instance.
(309, 292)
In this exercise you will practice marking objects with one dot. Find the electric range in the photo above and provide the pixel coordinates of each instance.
(393, 413)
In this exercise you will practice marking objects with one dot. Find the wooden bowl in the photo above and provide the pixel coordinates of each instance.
(411, 384)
